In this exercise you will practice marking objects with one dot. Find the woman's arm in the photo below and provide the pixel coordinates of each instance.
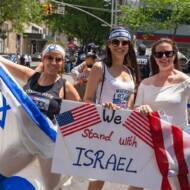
(131, 101)
(140, 106)
(94, 79)
(76, 72)
(19, 71)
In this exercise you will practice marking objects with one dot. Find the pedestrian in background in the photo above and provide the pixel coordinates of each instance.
(29, 60)
(167, 90)
(113, 81)
(22, 60)
(143, 61)
(18, 58)
(46, 88)
(81, 72)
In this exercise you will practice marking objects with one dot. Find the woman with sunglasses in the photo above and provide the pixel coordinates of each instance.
(168, 89)
(113, 80)
(47, 88)
(47, 84)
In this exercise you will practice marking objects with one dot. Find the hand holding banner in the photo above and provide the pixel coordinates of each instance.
(121, 146)
(108, 149)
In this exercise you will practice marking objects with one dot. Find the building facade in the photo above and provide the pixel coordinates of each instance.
(31, 41)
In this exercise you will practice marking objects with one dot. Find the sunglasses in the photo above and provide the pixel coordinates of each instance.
(116, 42)
(160, 54)
(90, 66)
(57, 59)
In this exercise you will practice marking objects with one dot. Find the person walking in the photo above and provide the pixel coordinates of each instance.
(47, 88)
(81, 72)
(27, 61)
(168, 89)
(113, 81)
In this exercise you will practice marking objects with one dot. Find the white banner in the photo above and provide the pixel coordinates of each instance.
(103, 144)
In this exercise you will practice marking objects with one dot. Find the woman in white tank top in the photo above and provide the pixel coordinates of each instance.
(114, 79)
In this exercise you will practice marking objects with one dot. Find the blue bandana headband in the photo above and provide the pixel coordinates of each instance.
(119, 33)
(53, 47)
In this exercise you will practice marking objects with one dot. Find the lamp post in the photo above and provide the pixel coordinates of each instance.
(113, 13)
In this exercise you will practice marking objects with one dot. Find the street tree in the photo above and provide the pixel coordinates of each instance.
(20, 12)
(81, 25)
(153, 15)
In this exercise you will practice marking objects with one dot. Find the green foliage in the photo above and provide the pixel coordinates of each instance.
(20, 12)
(154, 15)
(81, 25)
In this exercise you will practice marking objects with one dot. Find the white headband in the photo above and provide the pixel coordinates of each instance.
(117, 33)
(53, 47)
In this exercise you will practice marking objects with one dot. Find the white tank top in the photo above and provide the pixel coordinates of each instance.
(115, 90)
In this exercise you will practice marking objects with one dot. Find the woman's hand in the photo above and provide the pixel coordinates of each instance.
(144, 109)
(110, 105)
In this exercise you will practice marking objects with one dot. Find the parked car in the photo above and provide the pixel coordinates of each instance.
(13, 57)
(7, 56)
(10, 56)
(36, 57)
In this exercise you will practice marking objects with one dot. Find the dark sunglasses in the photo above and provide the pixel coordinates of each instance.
(90, 66)
(160, 54)
(117, 42)
(51, 58)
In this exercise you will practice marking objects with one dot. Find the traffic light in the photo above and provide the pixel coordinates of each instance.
(48, 8)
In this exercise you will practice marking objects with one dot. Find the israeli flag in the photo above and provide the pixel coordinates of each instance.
(24, 133)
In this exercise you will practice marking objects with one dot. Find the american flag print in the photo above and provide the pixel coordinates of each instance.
(78, 119)
(172, 151)
(139, 125)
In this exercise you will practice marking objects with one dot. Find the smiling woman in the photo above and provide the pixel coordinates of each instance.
(167, 90)
(183, 60)
(46, 88)
(114, 80)
(118, 71)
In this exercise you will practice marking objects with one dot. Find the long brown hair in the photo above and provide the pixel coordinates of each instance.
(154, 66)
(130, 59)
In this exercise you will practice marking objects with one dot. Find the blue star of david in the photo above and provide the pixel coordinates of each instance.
(52, 47)
(4, 109)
